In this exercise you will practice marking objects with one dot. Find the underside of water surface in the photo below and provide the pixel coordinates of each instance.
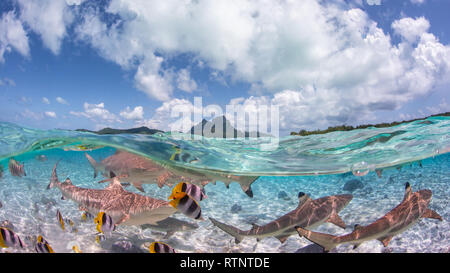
(319, 165)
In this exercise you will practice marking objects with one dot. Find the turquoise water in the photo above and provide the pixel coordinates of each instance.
(318, 165)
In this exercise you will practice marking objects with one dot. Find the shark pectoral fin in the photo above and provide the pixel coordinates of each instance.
(385, 240)
(247, 190)
(139, 186)
(432, 214)
(355, 246)
(336, 220)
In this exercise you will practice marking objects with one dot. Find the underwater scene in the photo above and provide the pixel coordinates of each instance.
(373, 190)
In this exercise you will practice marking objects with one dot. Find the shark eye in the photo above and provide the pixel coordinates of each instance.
(300, 194)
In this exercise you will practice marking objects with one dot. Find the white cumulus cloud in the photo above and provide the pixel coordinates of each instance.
(97, 112)
(12, 35)
(50, 114)
(45, 100)
(411, 29)
(184, 81)
(136, 114)
(61, 100)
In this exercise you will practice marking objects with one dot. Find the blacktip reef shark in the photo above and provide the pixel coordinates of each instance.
(309, 213)
(124, 207)
(139, 170)
(413, 207)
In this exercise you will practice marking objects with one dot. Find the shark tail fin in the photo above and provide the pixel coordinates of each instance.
(93, 163)
(54, 178)
(327, 241)
(229, 229)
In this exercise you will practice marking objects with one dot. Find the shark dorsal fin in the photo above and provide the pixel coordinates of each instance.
(255, 226)
(407, 191)
(357, 227)
(302, 198)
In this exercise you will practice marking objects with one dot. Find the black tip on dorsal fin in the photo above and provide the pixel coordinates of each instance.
(300, 194)
(407, 185)
(68, 181)
(356, 227)
(112, 174)
(254, 226)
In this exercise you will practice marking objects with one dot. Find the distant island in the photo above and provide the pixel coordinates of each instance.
(109, 131)
(208, 129)
(350, 128)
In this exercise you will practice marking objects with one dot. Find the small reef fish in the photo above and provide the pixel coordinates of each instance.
(41, 239)
(413, 207)
(124, 207)
(187, 205)
(76, 249)
(86, 216)
(105, 223)
(100, 238)
(15, 168)
(9, 239)
(192, 190)
(42, 246)
(158, 247)
(82, 148)
(309, 213)
(41, 158)
(139, 170)
(60, 219)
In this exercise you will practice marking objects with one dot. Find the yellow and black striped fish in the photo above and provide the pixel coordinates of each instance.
(100, 238)
(183, 157)
(42, 246)
(76, 249)
(187, 205)
(192, 190)
(9, 239)
(60, 219)
(105, 223)
(158, 247)
(86, 216)
(15, 168)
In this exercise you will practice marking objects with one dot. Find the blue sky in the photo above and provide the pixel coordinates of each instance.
(91, 64)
